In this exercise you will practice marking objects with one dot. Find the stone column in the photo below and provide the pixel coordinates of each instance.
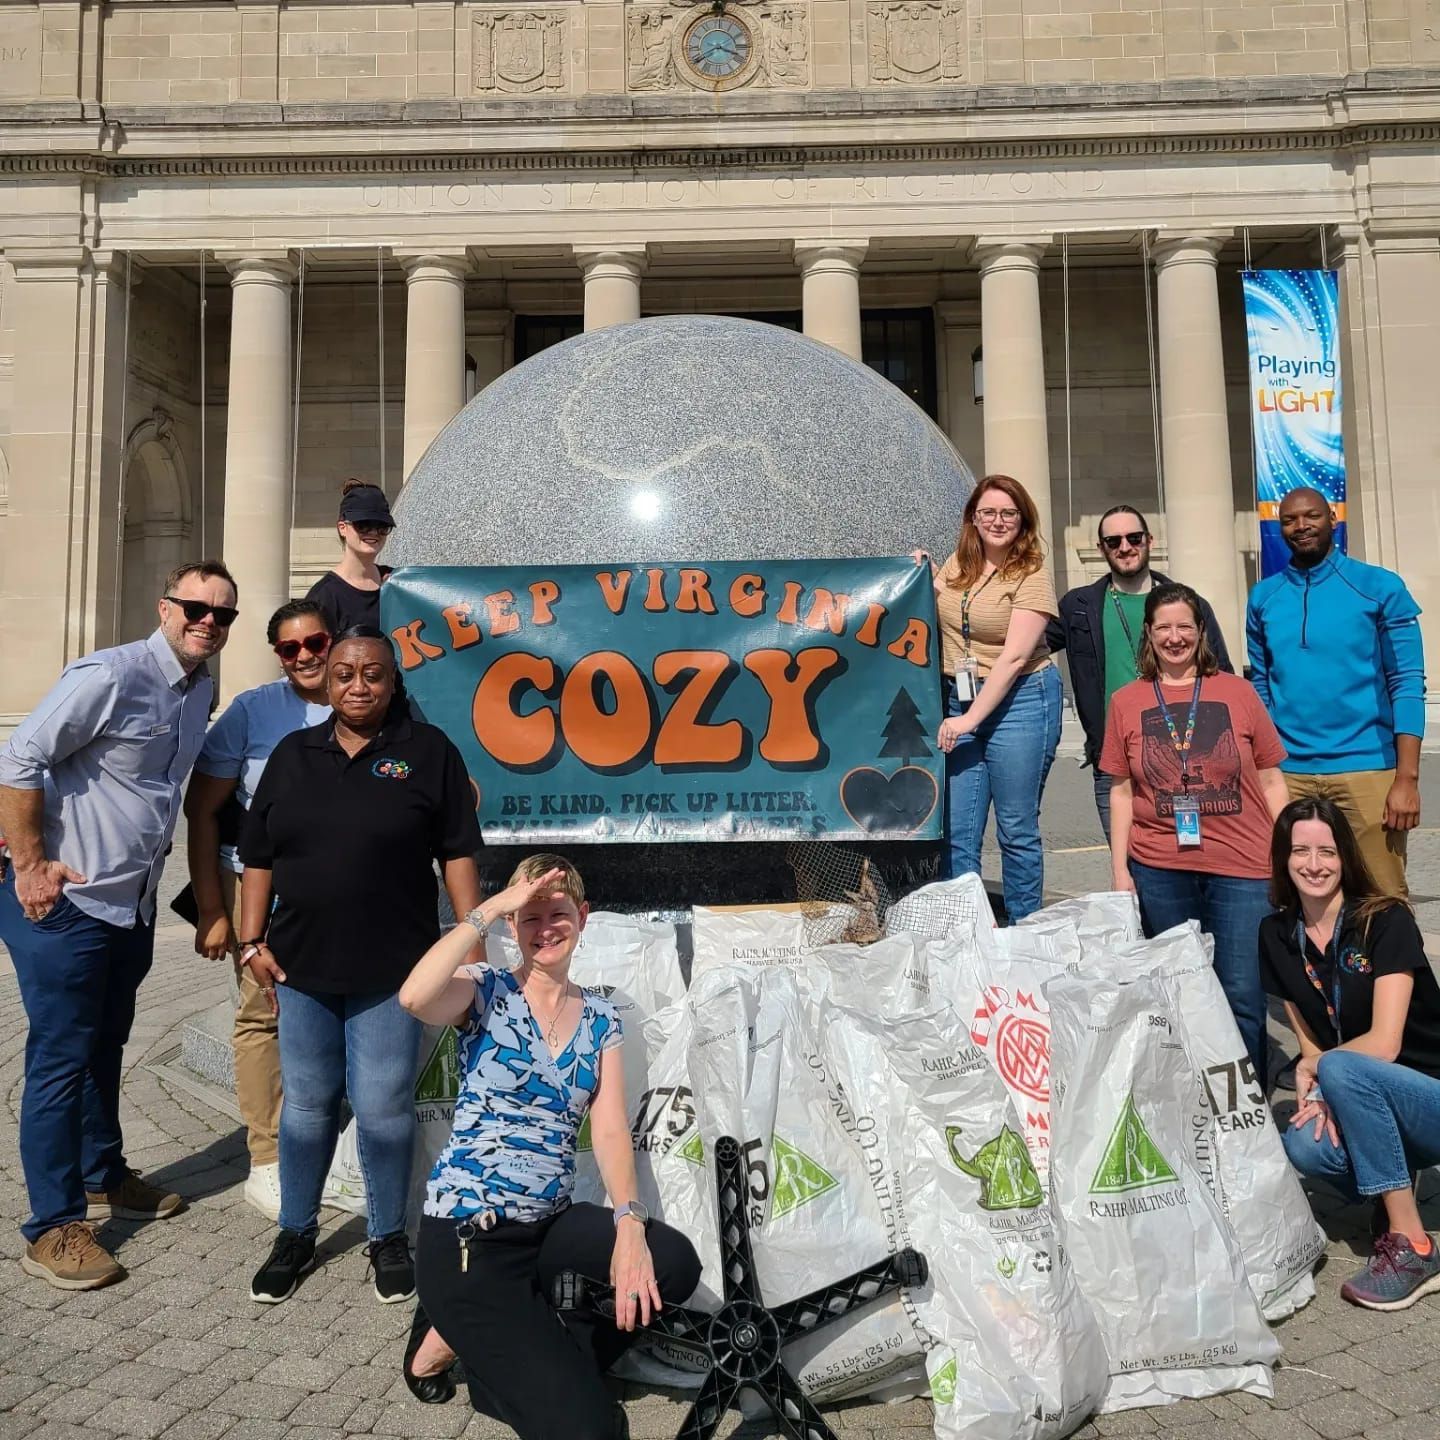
(489, 342)
(1195, 429)
(1017, 438)
(612, 284)
(60, 532)
(434, 348)
(830, 292)
(257, 461)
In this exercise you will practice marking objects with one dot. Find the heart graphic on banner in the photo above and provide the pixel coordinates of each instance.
(903, 801)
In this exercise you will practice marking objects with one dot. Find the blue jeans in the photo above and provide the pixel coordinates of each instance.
(1229, 908)
(363, 1046)
(1388, 1117)
(78, 978)
(1103, 783)
(1006, 761)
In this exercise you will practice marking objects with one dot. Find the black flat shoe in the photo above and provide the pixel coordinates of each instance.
(427, 1389)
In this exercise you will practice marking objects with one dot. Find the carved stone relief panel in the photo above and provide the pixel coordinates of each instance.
(915, 42)
(764, 45)
(520, 52)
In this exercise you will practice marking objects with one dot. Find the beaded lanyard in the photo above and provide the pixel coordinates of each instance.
(1313, 975)
(1182, 747)
(965, 609)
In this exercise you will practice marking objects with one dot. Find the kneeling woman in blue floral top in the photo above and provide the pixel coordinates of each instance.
(537, 1054)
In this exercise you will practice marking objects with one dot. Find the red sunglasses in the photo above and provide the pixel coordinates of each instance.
(316, 644)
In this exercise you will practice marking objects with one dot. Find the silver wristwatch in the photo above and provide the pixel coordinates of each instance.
(477, 922)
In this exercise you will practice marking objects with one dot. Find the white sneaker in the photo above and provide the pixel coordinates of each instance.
(262, 1189)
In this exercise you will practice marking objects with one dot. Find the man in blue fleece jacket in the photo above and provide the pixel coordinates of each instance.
(1335, 652)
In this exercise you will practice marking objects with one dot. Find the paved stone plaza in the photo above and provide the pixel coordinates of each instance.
(179, 1350)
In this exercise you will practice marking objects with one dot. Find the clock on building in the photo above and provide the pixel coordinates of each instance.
(718, 49)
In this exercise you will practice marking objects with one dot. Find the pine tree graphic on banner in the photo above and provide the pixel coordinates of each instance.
(903, 734)
(1132, 1161)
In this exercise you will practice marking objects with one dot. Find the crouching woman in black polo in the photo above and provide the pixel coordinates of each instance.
(344, 831)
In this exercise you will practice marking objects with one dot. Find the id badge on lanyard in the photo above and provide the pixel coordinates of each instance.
(1187, 820)
(967, 679)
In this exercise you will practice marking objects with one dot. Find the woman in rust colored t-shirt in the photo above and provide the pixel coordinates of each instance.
(1197, 787)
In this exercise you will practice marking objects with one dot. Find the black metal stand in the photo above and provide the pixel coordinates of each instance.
(743, 1339)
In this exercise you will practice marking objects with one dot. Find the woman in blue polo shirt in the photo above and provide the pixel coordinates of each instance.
(225, 779)
(344, 831)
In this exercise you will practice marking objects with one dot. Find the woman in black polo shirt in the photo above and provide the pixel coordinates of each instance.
(344, 831)
(1349, 964)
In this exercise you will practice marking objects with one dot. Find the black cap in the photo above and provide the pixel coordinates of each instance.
(366, 505)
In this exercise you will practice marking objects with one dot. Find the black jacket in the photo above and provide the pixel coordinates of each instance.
(1080, 632)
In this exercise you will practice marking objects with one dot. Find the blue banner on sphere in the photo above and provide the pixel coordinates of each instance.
(772, 700)
(1293, 321)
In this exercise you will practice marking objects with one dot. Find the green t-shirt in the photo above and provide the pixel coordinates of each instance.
(1120, 653)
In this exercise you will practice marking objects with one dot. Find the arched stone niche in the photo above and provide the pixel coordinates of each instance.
(157, 520)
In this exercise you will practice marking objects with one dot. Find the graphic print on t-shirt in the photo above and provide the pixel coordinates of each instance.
(1214, 759)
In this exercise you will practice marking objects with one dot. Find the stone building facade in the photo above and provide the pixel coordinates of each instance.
(250, 249)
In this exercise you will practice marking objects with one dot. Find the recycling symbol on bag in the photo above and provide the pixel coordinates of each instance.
(942, 1383)
(1003, 1167)
(1132, 1161)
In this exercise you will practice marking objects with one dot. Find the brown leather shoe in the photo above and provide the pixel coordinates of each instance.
(70, 1258)
(132, 1199)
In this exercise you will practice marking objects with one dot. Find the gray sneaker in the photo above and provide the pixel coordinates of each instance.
(1396, 1276)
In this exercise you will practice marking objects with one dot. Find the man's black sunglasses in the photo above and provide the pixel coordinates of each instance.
(197, 610)
(1134, 539)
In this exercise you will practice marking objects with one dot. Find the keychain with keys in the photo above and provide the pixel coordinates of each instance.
(466, 1231)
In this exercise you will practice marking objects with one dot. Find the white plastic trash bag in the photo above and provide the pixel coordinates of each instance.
(1257, 1188)
(1015, 1353)
(1152, 1251)
(758, 938)
(1103, 920)
(814, 1218)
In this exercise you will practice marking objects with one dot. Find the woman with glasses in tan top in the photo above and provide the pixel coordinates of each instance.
(995, 597)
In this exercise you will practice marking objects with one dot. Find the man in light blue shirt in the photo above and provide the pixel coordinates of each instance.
(89, 795)
(226, 774)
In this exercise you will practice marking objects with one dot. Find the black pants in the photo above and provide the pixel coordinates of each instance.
(527, 1366)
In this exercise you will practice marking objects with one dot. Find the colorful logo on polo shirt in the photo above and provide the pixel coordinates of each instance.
(391, 769)
(1352, 962)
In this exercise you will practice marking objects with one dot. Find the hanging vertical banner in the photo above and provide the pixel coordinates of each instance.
(1292, 318)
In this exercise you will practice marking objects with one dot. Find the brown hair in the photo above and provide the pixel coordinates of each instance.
(205, 569)
(532, 867)
(1026, 555)
(353, 484)
(1357, 884)
(1147, 662)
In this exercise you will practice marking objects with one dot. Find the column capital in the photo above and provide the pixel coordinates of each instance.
(433, 264)
(626, 262)
(48, 262)
(1188, 247)
(269, 267)
(1009, 252)
(820, 256)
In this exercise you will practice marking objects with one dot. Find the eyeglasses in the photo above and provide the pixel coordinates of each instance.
(316, 644)
(197, 610)
(989, 517)
(1133, 538)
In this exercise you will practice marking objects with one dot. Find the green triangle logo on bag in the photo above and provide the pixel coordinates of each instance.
(1002, 1166)
(582, 1136)
(693, 1150)
(798, 1179)
(942, 1383)
(439, 1081)
(1132, 1161)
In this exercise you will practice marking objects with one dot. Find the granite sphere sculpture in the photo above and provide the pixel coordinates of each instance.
(689, 437)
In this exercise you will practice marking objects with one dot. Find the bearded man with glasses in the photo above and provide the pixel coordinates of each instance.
(1100, 627)
(225, 779)
(89, 795)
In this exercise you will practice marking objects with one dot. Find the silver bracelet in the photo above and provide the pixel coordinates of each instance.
(477, 922)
